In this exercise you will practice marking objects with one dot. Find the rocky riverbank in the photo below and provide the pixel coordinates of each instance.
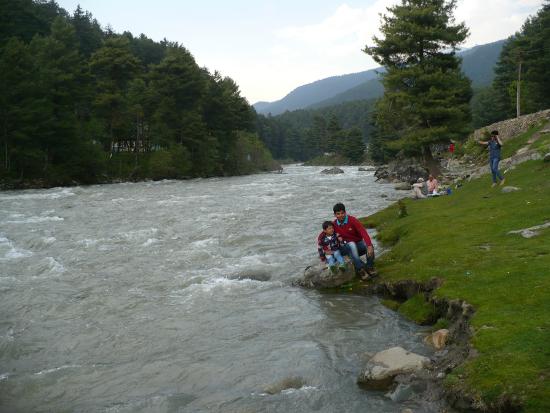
(475, 267)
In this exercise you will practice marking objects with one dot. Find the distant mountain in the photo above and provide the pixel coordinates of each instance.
(477, 63)
(371, 89)
(311, 93)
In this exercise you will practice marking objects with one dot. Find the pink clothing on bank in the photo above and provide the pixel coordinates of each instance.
(432, 186)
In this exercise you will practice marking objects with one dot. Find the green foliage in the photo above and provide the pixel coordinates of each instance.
(306, 135)
(531, 47)
(464, 239)
(441, 323)
(72, 92)
(391, 304)
(248, 155)
(426, 95)
(418, 309)
(486, 107)
(402, 209)
(169, 164)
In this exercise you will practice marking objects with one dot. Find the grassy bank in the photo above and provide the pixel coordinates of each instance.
(463, 239)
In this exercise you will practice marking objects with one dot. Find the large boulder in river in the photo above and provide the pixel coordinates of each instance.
(315, 276)
(332, 171)
(385, 365)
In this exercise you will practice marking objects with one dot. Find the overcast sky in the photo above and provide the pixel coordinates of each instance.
(270, 47)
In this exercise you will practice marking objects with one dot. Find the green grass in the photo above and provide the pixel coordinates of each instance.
(510, 147)
(542, 144)
(419, 310)
(463, 239)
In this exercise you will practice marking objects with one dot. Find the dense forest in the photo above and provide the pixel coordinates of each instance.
(82, 104)
(309, 133)
(524, 60)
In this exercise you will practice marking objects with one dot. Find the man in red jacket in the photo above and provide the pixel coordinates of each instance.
(356, 241)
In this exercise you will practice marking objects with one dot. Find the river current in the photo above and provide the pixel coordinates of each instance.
(176, 296)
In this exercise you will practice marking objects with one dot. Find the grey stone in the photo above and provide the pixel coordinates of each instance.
(530, 232)
(513, 127)
(317, 276)
(402, 170)
(286, 383)
(547, 157)
(332, 171)
(385, 365)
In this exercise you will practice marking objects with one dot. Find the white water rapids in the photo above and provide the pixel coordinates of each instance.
(176, 296)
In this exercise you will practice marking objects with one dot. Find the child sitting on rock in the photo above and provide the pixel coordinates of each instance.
(328, 245)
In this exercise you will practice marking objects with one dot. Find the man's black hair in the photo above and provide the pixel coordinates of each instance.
(494, 133)
(339, 207)
(327, 224)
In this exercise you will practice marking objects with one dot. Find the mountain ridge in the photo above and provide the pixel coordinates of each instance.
(477, 63)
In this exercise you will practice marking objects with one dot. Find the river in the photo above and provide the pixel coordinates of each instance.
(176, 296)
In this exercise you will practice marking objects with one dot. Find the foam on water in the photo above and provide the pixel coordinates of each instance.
(150, 241)
(35, 220)
(49, 194)
(10, 251)
(53, 370)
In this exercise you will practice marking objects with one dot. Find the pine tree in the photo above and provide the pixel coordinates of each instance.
(426, 95)
(528, 50)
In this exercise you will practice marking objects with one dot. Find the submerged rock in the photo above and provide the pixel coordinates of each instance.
(316, 276)
(332, 171)
(284, 384)
(261, 275)
(385, 365)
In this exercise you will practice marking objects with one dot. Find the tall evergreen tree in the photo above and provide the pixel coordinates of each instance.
(113, 67)
(528, 50)
(19, 111)
(426, 94)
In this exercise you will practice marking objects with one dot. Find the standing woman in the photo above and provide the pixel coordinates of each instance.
(494, 145)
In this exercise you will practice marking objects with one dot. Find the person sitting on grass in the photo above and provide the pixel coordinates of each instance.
(433, 186)
(417, 189)
(356, 241)
(329, 248)
(494, 145)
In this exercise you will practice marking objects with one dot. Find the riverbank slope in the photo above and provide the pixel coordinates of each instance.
(464, 240)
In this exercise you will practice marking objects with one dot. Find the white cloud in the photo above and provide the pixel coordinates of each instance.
(341, 35)
(491, 20)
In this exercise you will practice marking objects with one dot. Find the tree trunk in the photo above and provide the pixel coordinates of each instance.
(429, 162)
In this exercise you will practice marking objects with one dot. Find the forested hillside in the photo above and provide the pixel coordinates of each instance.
(305, 134)
(79, 103)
